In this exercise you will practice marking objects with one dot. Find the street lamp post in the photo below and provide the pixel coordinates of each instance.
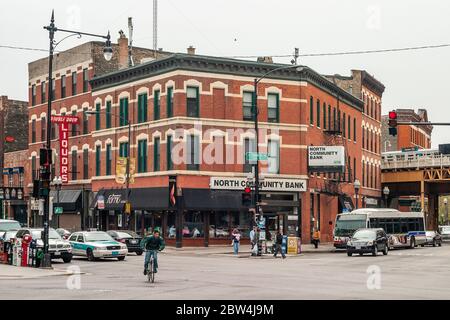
(45, 174)
(128, 155)
(357, 186)
(57, 182)
(386, 192)
(255, 119)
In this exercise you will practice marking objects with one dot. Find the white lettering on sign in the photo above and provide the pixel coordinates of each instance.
(114, 199)
(65, 119)
(64, 151)
(293, 185)
(326, 157)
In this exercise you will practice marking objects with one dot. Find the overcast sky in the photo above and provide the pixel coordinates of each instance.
(414, 79)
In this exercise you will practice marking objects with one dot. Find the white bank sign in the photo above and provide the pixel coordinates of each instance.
(289, 185)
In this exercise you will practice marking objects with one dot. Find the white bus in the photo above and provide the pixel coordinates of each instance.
(404, 229)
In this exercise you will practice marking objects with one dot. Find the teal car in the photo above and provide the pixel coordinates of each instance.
(96, 245)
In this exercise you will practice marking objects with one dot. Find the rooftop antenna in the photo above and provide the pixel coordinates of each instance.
(130, 44)
(155, 27)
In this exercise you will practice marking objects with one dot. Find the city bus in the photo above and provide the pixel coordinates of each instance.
(404, 229)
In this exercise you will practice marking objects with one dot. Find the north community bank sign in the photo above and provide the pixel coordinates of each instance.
(286, 185)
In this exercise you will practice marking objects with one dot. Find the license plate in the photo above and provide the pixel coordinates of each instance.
(115, 253)
(358, 247)
(57, 253)
(133, 241)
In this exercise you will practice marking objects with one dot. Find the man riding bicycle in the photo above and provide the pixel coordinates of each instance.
(152, 244)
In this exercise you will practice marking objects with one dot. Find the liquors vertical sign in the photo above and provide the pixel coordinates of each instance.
(64, 122)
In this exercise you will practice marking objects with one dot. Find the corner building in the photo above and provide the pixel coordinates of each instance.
(191, 127)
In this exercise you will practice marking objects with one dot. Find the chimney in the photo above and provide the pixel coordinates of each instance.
(191, 50)
(265, 59)
(123, 50)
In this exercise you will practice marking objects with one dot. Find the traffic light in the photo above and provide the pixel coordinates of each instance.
(45, 157)
(393, 123)
(247, 198)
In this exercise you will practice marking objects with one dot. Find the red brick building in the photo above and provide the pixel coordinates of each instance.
(73, 69)
(199, 108)
(370, 90)
(408, 136)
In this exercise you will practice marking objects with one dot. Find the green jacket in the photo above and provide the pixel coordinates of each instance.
(151, 243)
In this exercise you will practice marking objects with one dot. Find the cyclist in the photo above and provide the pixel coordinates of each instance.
(152, 244)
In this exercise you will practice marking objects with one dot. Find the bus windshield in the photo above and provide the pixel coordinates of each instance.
(347, 224)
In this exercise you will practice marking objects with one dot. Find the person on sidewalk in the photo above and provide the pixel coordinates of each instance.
(278, 245)
(236, 240)
(316, 238)
(253, 241)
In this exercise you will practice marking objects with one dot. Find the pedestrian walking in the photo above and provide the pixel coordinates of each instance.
(236, 240)
(278, 245)
(253, 241)
(316, 238)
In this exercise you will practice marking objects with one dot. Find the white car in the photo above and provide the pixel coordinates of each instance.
(97, 244)
(445, 232)
(57, 247)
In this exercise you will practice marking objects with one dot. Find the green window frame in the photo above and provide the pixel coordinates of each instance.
(324, 109)
(318, 113)
(85, 121)
(248, 102)
(98, 154)
(108, 159)
(311, 110)
(193, 149)
(85, 164)
(273, 107)
(170, 102)
(74, 165)
(274, 156)
(354, 129)
(123, 106)
(169, 153)
(108, 115)
(142, 156)
(97, 116)
(74, 126)
(123, 149)
(156, 154)
(74, 83)
(85, 80)
(192, 102)
(142, 108)
(156, 105)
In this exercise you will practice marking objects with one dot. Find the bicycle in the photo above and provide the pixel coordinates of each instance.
(150, 273)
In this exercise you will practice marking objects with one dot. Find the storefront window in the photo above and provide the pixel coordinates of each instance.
(193, 225)
(241, 221)
(219, 225)
(171, 231)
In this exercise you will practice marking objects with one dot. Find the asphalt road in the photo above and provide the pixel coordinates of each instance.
(421, 273)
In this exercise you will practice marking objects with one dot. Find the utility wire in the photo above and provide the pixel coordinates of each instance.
(342, 53)
(351, 52)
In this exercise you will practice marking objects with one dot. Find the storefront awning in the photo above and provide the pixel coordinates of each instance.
(205, 199)
(69, 200)
(149, 198)
(346, 203)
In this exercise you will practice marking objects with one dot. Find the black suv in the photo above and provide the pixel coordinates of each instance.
(368, 241)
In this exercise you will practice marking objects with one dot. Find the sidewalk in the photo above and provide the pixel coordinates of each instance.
(8, 272)
(244, 251)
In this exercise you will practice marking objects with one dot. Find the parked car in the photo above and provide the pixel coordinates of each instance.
(7, 225)
(444, 232)
(368, 241)
(433, 238)
(58, 247)
(65, 234)
(97, 244)
(130, 238)
(7, 235)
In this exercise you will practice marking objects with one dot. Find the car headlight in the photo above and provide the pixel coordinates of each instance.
(370, 243)
(97, 248)
(122, 246)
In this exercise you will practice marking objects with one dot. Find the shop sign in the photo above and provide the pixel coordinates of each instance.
(101, 203)
(326, 159)
(11, 193)
(371, 201)
(287, 185)
(63, 122)
(114, 199)
(292, 245)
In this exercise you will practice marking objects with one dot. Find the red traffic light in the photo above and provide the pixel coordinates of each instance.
(248, 190)
(393, 115)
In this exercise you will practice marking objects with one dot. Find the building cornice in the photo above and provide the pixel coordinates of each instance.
(218, 65)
